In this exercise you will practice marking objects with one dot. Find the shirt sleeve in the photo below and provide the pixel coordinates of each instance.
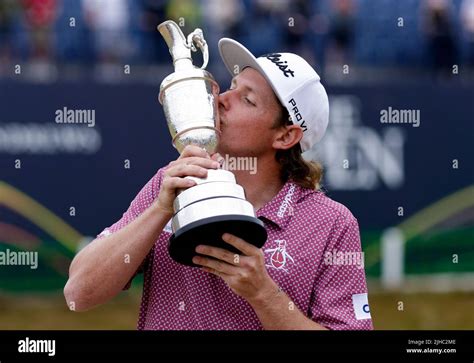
(339, 299)
(142, 201)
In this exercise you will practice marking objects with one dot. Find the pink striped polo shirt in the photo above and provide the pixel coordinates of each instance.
(313, 253)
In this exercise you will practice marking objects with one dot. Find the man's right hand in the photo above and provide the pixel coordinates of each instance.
(98, 271)
(194, 161)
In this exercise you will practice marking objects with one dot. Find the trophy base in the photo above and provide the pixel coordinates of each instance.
(209, 231)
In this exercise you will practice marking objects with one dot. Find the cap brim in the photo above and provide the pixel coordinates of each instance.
(236, 57)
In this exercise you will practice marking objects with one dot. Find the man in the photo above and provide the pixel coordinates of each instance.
(292, 282)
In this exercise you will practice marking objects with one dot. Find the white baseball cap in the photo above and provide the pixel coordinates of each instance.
(294, 81)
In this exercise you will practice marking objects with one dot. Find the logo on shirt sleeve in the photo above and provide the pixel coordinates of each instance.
(361, 306)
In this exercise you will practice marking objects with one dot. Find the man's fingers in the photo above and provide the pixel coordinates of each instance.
(183, 170)
(205, 163)
(217, 157)
(175, 168)
(246, 248)
(188, 170)
(192, 150)
(219, 253)
(219, 266)
(178, 183)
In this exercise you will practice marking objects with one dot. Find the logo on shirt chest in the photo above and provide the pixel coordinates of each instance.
(279, 256)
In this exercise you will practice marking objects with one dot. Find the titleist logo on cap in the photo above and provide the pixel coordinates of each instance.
(282, 65)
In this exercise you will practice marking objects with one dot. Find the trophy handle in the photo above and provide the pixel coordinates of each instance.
(197, 37)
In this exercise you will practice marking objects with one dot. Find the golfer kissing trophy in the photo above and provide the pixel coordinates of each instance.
(216, 204)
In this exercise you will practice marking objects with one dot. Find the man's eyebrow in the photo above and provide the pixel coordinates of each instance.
(249, 89)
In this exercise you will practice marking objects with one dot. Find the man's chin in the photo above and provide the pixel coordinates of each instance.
(222, 150)
(219, 148)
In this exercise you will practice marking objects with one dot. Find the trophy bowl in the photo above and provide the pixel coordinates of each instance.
(204, 212)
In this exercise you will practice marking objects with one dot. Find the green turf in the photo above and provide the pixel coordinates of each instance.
(420, 311)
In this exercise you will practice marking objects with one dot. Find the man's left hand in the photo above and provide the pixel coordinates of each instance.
(245, 274)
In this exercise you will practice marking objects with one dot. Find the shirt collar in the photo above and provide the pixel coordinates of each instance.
(281, 208)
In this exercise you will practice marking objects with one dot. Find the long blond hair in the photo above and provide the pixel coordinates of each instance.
(293, 166)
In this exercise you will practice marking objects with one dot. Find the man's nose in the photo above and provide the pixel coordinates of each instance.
(223, 100)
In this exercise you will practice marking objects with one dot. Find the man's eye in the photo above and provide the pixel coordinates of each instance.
(249, 102)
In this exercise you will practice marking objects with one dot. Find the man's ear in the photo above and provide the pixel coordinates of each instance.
(287, 137)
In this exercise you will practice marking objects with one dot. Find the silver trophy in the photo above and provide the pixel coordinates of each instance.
(216, 204)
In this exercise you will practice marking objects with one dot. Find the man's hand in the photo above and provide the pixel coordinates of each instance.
(245, 274)
(193, 161)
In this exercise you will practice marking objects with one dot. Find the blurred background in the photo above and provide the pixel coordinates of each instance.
(411, 187)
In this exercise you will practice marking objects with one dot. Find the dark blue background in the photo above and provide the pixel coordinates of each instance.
(132, 126)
